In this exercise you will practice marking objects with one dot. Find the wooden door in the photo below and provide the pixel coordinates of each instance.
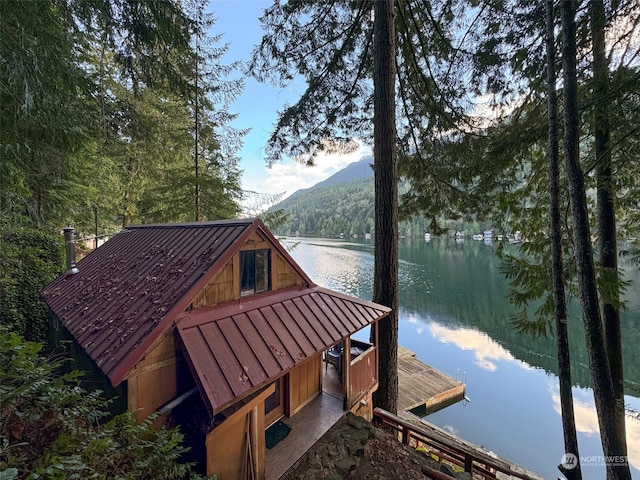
(274, 404)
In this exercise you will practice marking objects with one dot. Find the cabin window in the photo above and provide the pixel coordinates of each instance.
(255, 272)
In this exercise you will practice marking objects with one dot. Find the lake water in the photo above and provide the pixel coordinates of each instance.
(454, 315)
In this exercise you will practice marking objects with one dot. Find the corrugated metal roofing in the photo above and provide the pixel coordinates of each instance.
(236, 348)
(130, 290)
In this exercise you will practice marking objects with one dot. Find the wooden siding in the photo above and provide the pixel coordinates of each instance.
(362, 376)
(220, 289)
(364, 407)
(282, 274)
(226, 444)
(226, 286)
(255, 241)
(154, 380)
(305, 383)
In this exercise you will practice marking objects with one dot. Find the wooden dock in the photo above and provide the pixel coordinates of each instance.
(423, 389)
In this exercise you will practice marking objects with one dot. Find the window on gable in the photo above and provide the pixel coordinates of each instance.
(255, 272)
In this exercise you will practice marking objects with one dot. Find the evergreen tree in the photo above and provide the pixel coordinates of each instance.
(603, 389)
(97, 111)
(573, 472)
(385, 282)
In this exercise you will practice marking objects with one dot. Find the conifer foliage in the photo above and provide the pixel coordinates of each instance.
(102, 105)
(50, 427)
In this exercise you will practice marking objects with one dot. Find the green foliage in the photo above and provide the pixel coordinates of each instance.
(100, 105)
(329, 44)
(29, 260)
(42, 109)
(530, 279)
(51, 428)
(347, 208)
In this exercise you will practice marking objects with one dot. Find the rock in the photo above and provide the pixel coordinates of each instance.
(333, 451)
(448, 469)
(356, 450)
(360, 437)
(356, 421)
(463, 475)
(369, 455)
(344, 466)
(361, 425)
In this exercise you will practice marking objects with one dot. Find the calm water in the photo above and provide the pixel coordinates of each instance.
(454, 315)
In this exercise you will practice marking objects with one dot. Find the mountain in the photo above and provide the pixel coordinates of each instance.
(363, 168)
(354, 171)
(341, 205)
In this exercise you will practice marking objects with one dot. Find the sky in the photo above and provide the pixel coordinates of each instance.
(257, 107)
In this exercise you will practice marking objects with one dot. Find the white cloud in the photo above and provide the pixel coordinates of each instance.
(292, 176)
(587, 422)
(486, 351)
(289, 176)
(451, 429)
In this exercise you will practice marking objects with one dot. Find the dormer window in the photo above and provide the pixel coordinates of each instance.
(255, 272)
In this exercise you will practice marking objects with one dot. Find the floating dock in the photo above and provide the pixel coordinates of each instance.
(423, 389)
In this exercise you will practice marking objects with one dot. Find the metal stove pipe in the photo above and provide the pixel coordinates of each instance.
(70, 248)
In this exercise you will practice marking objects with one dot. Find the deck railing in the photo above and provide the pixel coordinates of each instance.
(362, 374)
(477, 462)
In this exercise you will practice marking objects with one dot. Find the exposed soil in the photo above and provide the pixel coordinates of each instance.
(354, 449)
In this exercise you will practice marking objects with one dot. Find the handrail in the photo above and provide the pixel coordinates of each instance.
(475, 461)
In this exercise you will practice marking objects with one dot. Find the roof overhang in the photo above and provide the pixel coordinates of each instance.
(236, 348)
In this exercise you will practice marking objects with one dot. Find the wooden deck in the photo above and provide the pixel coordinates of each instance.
(308, 425)
(423, 388)
(419, 386)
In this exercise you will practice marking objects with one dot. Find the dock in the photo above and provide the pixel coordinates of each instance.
(423, 389)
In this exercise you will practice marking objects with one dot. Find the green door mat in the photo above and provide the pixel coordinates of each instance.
(275, 433)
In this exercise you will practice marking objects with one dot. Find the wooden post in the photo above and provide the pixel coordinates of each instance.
(254, 440)
(346, 372)
(468, 464)
(405, 435)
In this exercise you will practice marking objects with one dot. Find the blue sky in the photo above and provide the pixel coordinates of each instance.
(258, 106)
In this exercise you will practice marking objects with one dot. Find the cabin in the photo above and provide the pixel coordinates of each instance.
(215, 326)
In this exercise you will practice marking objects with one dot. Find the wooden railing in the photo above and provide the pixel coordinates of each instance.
(450, 450)
(362, 374)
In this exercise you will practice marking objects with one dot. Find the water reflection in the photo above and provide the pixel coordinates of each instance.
(486, 351)
(489, 354)
(587, 422)
(454, 315)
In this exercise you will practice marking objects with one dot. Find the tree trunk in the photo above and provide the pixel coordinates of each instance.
(608, 249)
(196, 148)
(385, 283)
(572, 472)
(594, 334)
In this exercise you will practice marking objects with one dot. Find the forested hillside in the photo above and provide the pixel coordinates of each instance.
(343, 205)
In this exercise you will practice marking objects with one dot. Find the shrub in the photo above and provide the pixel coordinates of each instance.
(52, 428)
(29, 260)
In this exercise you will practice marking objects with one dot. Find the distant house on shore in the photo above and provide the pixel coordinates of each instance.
(216, 327)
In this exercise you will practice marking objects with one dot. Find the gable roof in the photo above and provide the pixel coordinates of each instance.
(238, 347)
(129, 291)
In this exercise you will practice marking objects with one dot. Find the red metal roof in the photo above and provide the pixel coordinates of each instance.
(236, 348)
(129, 291)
